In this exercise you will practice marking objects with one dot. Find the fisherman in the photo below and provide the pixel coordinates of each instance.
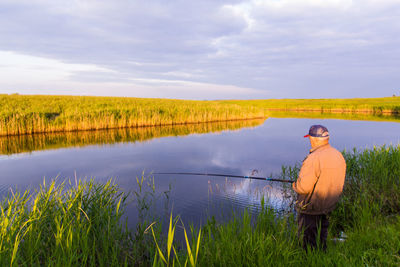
(318, 187)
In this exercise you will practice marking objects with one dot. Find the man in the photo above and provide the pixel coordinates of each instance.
(318, 187)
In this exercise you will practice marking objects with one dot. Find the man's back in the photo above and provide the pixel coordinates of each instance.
(320, 181)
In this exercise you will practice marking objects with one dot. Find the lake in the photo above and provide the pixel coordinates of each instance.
(251, 147)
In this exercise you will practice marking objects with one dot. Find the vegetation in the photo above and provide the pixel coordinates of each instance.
(27, 143)
(55, 227)
(390, 105)
(82, 226)
(337, 116)
(22, 114)
(372, 187)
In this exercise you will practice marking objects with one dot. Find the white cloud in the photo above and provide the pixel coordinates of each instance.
(21, 73)
(16, 67)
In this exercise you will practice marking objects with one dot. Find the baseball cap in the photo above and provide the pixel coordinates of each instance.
(317, 131)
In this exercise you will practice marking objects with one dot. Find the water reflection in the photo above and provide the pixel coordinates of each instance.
(28, 143)
(249, 193)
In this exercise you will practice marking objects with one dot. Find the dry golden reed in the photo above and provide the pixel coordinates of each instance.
(23, 114)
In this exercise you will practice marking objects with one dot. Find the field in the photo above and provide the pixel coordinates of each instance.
(79, 224)
(25, 114)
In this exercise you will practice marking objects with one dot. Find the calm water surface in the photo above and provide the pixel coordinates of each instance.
(245, 148)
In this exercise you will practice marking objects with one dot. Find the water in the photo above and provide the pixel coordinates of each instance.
(241, 148)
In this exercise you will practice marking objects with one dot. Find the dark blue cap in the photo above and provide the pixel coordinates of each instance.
(318, 131)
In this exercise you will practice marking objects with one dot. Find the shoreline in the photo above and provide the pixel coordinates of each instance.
(338, 111)
(132, 127)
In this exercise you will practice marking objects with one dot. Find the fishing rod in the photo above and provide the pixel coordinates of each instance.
(227, 175)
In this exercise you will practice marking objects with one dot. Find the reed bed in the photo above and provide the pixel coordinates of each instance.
(27, 143)
(23, 114)
(27, 114)
(383, 105)
(336, 116)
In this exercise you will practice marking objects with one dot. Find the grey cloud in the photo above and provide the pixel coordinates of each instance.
(294, 50)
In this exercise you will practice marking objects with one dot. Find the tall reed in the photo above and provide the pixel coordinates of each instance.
(20, 114)
(389, 105)
(337, 116)
(372, 186)
(59, 226)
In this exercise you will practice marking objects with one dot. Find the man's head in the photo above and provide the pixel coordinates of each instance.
(318, 135)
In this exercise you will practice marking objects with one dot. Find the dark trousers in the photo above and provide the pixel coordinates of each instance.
(314, 229)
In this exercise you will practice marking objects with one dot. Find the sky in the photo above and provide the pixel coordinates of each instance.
(201, 49)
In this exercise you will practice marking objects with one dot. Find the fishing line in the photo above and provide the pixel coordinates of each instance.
(227, 175)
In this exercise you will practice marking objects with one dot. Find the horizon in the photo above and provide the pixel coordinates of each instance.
(183, 99)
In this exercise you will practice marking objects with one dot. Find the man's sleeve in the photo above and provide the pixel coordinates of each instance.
(307, 177)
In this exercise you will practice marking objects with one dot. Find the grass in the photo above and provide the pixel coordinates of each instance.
(27, 114)
(27, 143)
(192, 249)
(56, 226)
(80, 226)
(381, 105)
(372, 186)
(337, 116)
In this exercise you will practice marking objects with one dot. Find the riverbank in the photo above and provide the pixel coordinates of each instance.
(383, 105)
(81, 226)
(28, 114)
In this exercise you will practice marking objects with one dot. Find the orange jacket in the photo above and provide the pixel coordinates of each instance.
(320, 182)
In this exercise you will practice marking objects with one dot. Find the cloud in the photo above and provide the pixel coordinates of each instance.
(279, 48)
(21, 73)
(16, 67)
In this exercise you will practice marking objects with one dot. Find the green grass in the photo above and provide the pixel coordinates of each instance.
(56, 226)
(272, 241)
(81, 226)
(372, 186)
